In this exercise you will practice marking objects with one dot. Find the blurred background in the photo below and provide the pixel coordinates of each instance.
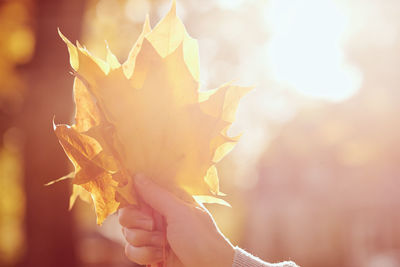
(315, 177)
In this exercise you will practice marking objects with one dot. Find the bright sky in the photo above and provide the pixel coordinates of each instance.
(306, 48)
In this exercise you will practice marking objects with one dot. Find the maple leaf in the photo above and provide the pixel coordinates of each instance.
(147, 116)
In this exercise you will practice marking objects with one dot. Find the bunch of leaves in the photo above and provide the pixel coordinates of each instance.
(147, 116)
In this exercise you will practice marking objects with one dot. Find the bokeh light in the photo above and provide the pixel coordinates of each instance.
(306, 48)
(315, 177)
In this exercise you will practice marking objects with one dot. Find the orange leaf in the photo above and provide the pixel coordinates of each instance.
(147, 116)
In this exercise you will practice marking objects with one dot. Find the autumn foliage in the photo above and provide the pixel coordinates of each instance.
(147, 116)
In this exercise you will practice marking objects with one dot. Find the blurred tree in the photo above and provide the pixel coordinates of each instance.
(329, 185)
(49, 226)
(16, 49)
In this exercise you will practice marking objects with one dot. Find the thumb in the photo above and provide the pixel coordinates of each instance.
(156, 197)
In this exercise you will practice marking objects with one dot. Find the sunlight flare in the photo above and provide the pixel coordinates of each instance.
(306, 49)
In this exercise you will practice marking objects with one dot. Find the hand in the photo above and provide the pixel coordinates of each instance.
(190, 231)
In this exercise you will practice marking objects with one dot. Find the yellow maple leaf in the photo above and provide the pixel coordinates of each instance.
(147, 116)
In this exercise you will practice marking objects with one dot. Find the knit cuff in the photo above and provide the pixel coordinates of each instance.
(245, 259)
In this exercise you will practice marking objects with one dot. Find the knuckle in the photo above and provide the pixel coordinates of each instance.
(123, 217)
(133, 238)
(128, 217)
(138, 238)
(128, 252)
(134, 255)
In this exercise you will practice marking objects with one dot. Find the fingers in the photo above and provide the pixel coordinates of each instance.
(144, 255)
(131, 217)
(142, 238)
(145, 245)
(158, 198)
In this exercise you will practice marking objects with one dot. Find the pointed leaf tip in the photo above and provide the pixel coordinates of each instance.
(62, 35)
(54, 124)
(111, 59)
(72, 50)
(146, 24)
(65, 177)
(211, 200)
(173, 7)
(78, 44)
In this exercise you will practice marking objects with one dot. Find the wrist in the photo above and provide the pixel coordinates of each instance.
(225, 253)
(228, 255)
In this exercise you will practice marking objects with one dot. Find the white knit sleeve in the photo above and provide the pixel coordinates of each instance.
(245, 259)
